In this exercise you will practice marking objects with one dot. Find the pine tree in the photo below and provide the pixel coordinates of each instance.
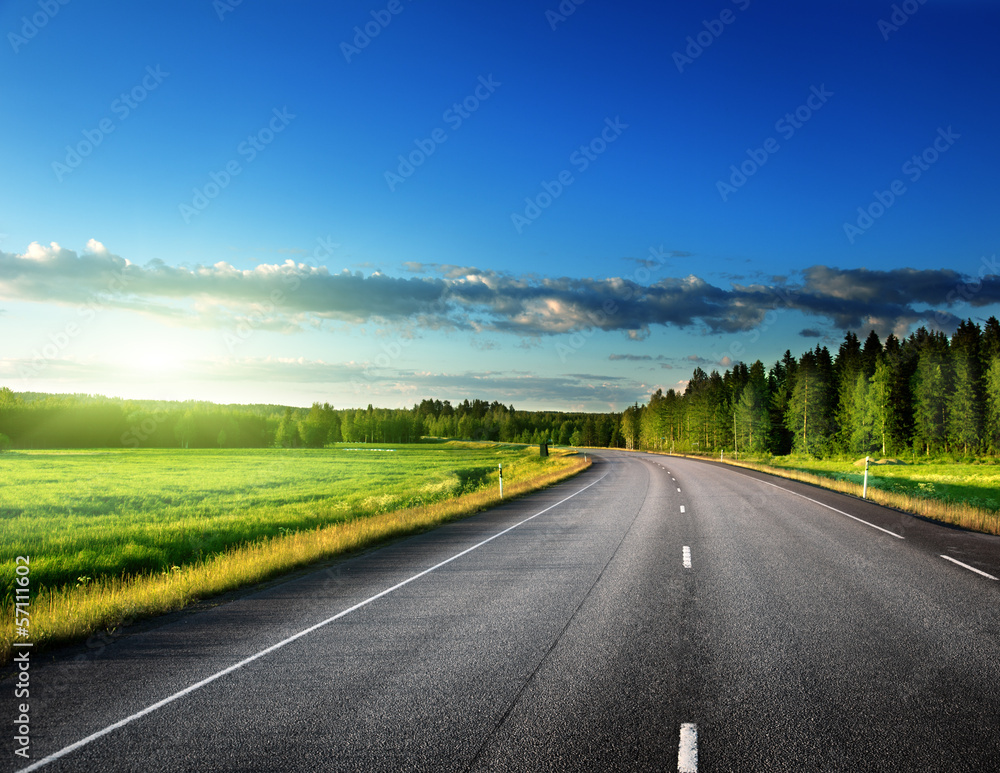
(904, 366)
(699, 410)
(847, 366)
(964, 416)
(880, 403)
(809, 407)
(631, 426)
(752, 418)
(652, 421)
(966, 399)
(862, 434)
(781, 384)
(992, 389)
(929, 388)
(989, 344)
(869, 354)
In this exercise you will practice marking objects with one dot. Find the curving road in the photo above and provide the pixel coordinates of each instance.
(654, 613)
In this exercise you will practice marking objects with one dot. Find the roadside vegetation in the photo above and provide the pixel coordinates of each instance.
(166, 502)
(115, 536)
(923, 396)
(928, 400)
(965, 494)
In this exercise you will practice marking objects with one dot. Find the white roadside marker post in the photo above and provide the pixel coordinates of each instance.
(501, 480)
(864, 488)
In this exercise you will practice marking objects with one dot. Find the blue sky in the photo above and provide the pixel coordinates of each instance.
(556, 205)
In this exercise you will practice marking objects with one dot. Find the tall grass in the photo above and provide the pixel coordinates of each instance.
(128, 512)
(71, 613)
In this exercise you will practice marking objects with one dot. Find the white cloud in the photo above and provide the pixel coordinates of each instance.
(292, 295)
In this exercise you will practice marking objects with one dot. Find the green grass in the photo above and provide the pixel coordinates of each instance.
(126, 512)
(976, 485)
(115, 536)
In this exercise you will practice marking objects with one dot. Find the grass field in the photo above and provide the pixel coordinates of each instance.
(976, 485)
(112, 534)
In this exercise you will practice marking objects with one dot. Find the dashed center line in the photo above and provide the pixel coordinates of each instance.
(678, 488)
(686, 555)
(687, 749)
(682, 508)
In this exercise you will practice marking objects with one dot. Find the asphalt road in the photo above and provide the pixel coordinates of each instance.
(653, 613)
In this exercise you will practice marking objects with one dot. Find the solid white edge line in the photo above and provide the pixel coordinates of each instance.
(207, 680)
(970, 568)
(816, 501)
(687, 749)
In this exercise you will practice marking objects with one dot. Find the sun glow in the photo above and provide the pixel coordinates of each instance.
(155, 360)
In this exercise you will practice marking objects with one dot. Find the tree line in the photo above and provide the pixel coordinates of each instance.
(37, 420)
(926, 394)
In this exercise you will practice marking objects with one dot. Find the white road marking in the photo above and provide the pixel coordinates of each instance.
(817, 502)
(970, 568)
(687, 749)
(208, 680)
(682, 508)
(678, 489)
(687, 557)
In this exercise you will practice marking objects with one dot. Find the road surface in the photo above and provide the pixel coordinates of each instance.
(654, 613)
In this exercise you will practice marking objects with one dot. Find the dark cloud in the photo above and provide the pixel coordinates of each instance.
(293, 295)
(97, 276)
(861, 298)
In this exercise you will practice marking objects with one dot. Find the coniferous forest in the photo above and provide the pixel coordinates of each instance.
(927, 394)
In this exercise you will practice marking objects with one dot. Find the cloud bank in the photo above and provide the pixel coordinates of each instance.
(294, 295)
